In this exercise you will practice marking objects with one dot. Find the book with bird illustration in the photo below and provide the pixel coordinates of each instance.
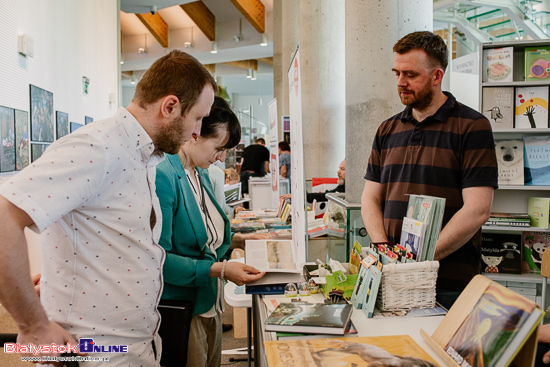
(394, 350)
(498, 106)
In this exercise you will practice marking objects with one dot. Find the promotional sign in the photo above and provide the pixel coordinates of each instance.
(297, 158)
(274, 153)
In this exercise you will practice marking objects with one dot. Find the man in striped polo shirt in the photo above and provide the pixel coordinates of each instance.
(436, 146)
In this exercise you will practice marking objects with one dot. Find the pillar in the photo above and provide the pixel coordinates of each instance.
(371, 30)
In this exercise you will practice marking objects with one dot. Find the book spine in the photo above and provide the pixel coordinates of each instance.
(507, 223)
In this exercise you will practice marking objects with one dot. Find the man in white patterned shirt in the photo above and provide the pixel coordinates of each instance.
(92, 195)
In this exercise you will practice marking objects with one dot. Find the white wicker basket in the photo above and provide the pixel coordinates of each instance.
(407, 286)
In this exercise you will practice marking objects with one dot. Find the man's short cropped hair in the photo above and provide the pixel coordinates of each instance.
(429, 42)
(260, 141)
(178, 74)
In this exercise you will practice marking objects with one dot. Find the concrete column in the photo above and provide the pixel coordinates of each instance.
(286, 34)
(322, 65)
(371, 30)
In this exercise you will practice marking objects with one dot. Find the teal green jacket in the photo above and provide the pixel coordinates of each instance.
(184, 236)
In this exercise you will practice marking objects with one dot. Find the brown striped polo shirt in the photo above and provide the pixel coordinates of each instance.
(447, 152)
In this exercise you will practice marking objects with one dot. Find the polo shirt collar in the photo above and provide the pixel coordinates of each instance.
(137, 134)
(441, 115)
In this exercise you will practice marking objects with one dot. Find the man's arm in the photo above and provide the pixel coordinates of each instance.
(282, 171)
(17, 293)
(466, 222)
(371, 211)
(266, 167)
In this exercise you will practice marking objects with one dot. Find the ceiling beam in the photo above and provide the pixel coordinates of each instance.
(244, 64)
(211, 68)
(203, 18)
(267, 60)
(253, 11)
(157, 26)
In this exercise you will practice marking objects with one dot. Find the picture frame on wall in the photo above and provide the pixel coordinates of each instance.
(22, 147)
(41, 109)
(75, 126)
(7, 139)
(61, 124)
(37, 149)
(88, 119)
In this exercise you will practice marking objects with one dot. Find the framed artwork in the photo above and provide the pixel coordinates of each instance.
(37, 149)
(61, 124)
(75, 126)
(87, 120)
(7, 139)
(22, 147)
(42, 125)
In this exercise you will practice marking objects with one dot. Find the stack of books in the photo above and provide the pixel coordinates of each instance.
(508, 220)
(421, 238)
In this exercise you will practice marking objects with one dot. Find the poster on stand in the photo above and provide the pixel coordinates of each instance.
(274, 153)
(297, 158)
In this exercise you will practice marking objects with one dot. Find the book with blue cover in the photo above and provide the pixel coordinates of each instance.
(537, 160)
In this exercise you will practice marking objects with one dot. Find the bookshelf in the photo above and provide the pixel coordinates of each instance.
(513, 198)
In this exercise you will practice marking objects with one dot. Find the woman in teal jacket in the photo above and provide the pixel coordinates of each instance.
(192, 220)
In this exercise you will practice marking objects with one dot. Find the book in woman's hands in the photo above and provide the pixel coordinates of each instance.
(276, 258)
(314, 318)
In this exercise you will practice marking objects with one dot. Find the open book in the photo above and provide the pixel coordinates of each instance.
(489, 325)
(276, 258)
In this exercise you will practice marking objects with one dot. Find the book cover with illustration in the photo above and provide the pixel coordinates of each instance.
(412, 236)
(498, 64)
(394, 350)
(498, 106)
(537, 63)
(316, 318)
(509, 154)
(534, 245)
(429, 210)
(494, 328)
(501, 253)
(531, 108)
(537, 160)
(538, 210)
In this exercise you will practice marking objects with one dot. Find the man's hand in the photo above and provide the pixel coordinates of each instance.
(286, 196)
(47, 334)
(239, 208)
(239, 239)
(544, 337)
(240, 273)
(36, 281)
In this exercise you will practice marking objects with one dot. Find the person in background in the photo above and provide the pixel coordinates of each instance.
(92, 194)
(193, 221)
(284, 159)
(254, 163)
(322, 196)
(217, 178)
(231, 176)
(437, 146)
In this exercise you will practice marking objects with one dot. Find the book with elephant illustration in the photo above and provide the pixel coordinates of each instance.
(509, 154)
(498, 107)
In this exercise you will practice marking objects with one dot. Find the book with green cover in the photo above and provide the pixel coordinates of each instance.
(429, 210)
(537, 63)
(538, 210)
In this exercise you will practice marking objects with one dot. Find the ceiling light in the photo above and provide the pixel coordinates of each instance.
(133, 79)
(143, 50)
(264, 40)
(188, 44)
(238, 38)
(214, 49)
(121, 59)
(249, 73)
(253, 75)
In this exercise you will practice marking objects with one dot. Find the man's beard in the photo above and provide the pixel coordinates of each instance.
(420, 100)
(341, 181)
(170, 137)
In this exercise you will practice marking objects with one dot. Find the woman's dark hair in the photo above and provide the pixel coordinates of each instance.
(284, 146)
(221, 116)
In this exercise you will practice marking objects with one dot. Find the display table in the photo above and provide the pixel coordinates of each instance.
(235, 297)
(365, 327)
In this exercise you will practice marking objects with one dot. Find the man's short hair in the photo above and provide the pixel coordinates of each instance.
(260, 141)
(429, 42)
(178, 74)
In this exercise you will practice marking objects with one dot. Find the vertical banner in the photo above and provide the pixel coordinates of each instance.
(297, 158)
(274, 152)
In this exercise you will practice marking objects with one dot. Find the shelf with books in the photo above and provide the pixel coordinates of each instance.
(524, 277)
(512, 229)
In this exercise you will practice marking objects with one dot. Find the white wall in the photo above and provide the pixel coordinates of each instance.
(72, 39)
